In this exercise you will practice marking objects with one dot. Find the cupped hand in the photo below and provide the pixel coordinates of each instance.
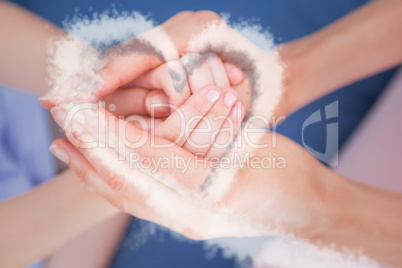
(276, 189)
(159, 91)
(181, 42)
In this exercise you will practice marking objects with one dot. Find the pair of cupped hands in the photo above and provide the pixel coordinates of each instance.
(185, 109)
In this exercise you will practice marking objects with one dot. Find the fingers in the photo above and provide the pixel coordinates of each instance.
(143, 122)
(181, 78)
(121, 69)
(203, 135)
(129, 199)
(227, 133)
(139, 101)
(76, 88)
(178, 18)
(234, 73)
(204, 69)
(158, 207)
(218, 70)
(171, 78)
(157, 104)
(184, 31)
(198, 71)
(118, 153)
(68, 154)
(178, 126)
(127, 101)
(130, 59)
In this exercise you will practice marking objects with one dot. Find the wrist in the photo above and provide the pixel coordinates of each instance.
(361, 217)
(295, 76)
(309, 65)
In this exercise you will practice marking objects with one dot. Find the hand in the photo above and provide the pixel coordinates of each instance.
(204, 125)
(293, 194)
(253, 197)
(201, 32)
(154, 92)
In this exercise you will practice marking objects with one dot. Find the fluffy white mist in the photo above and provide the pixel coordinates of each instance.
(75, 63)
(76, 59)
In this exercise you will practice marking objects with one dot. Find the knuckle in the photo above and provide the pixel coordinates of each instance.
(173, 133)
(83, 174)
(157, 77)
(199, 108)
(219, 115)
(115, 181)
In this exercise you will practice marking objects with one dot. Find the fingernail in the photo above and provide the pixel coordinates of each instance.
(237, 112)
(158, 103)
(230, 98)
(59, 153)
(213, 95)
(58, 115)
(43, 98)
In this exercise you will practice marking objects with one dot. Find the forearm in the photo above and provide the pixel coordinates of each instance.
(23, 49)
(37, 223)
(364, 217)
(363, 43)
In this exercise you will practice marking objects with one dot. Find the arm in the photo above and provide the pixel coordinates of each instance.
(23, 49)
(39, 222)
(296, 196)
(93, 249)
(363, 217)
(305, 200)
(363, 43)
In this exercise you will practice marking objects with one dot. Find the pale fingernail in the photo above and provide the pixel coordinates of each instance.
(237, 112)
(43, 98)
(230, 98)
(58, 115)
(59, 153)
(158, 103)
(213, 95)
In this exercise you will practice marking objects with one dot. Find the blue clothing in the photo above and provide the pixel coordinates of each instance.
(25, 137)
(287, 20)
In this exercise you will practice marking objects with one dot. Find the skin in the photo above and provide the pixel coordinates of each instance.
(59, 210)
(319, 204)
(67, 210)
(54, 219)
(359, 45)
(312, 70)
(30, 63)
(292, 55)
